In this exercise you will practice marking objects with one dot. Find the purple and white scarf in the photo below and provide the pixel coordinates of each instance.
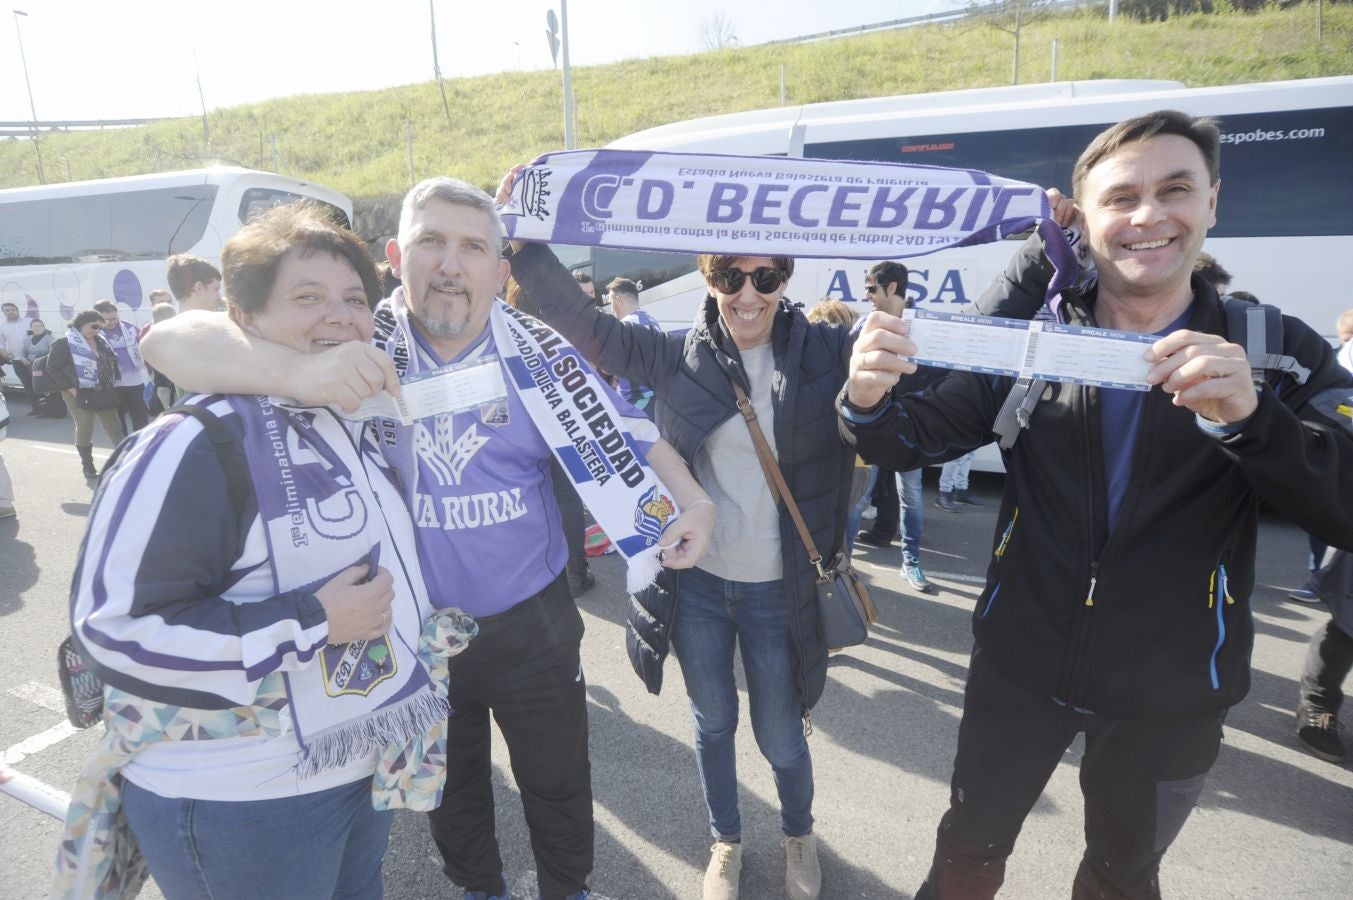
(126, 344)
(773, 206)
(359, 697)
(597, 448)
(85, 357)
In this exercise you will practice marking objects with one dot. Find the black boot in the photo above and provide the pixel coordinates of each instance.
(963, 498)
(580, 578)
(87, 458)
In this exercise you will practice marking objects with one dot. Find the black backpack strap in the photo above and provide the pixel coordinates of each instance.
(80, 685)
(228, 451)
(1258, 327)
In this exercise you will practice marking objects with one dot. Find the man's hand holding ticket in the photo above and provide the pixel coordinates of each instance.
(1011, 347)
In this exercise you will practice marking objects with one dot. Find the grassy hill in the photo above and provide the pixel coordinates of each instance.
(357, 143)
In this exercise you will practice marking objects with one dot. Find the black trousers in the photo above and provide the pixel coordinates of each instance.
(524, 668)
(1329, 659)
(131, 402)
(887, 503)
(570, 516)
(1140, 780)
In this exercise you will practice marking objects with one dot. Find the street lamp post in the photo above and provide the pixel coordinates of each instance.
(32, 108)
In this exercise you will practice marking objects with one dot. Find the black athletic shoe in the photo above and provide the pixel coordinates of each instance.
(1318, 729)
(581, 582)
(874, 539)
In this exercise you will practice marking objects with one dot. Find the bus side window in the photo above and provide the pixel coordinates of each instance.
(257, 200)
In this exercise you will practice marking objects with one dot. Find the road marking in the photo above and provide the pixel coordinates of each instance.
(70, 451)
(47, 698)
(40, 695)
(37, 743)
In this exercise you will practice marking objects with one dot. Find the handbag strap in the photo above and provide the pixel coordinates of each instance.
(775, 478)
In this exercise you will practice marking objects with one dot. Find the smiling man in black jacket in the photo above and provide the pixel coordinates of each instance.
(1117, 597)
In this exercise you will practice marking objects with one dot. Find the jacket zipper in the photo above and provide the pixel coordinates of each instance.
(1073, 686)
(1000, 554)
(1218, 598)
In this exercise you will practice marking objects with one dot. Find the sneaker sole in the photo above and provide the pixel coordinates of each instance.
(1321, 754)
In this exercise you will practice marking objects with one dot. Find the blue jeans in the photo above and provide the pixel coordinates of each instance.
(909, 494)
(714, 615)
(857, 511)
(954, 473)
(321, 845)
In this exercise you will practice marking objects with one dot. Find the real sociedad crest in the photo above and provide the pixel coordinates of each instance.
(652, 514)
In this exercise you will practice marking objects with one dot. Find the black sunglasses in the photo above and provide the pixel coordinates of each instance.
(870, 288)
(765, 280)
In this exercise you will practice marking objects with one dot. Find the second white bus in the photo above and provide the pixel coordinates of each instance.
(63, 246)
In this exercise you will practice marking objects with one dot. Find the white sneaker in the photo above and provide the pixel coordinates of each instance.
(721, 875)
(870, 514)
(803, 875)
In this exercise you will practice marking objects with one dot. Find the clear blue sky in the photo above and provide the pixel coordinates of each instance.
(93, 59)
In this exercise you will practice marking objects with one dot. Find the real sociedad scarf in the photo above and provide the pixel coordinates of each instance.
(85, 357)
(597, 447)
(127, 347)
(773, 206)
(355, 698)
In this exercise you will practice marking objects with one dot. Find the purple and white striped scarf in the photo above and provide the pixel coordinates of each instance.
(126, 346)
(85, 357)
(773, 206)
(359, 697)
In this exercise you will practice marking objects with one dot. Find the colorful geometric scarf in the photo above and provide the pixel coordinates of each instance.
(98, 858)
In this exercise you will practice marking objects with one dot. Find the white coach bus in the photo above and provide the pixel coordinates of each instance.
(1285, 216)
(63, 246)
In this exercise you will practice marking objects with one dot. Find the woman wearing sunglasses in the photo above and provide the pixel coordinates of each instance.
(754, 589)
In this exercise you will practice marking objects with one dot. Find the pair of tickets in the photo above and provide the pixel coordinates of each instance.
(1014, 347)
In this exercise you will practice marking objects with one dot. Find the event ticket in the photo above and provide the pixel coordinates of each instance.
(1036, 349)
(450, 389)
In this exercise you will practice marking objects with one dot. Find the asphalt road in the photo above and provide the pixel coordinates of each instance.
(1273, 822)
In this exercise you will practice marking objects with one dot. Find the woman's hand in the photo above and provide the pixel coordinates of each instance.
(685, 541)
(358, 609)
(505, 194)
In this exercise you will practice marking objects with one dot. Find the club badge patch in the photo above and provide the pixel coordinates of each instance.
(652, 514)
(358, 667)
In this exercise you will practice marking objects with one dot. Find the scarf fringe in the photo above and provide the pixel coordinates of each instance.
(396, 725)
(642, 570)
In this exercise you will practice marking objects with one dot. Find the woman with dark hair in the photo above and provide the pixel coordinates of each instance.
(755, 587)
(36, 344)
(82, 364)
(248, 595)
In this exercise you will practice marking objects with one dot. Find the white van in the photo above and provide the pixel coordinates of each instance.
(63, 246)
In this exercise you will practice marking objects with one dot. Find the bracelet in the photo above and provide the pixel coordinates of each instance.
(688, 507)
